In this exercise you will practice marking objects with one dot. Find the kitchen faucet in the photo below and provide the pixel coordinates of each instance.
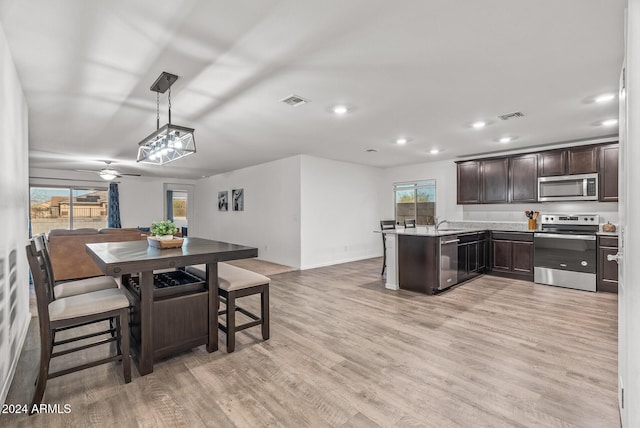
(439, 223)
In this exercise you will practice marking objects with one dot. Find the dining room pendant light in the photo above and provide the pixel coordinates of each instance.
(170, 142)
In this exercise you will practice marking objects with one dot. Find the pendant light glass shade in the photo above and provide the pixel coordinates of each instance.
(169, 143)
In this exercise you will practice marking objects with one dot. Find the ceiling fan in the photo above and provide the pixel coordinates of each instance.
(107, 173)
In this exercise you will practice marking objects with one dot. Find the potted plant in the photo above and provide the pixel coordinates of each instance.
(163, 229)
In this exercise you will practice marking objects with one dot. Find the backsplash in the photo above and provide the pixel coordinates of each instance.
(516, 226)
(608, 211)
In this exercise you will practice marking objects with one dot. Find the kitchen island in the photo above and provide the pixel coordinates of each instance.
(428, 260)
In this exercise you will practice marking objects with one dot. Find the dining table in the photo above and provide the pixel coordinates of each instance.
(167, 319)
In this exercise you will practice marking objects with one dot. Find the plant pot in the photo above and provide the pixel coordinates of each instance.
(164, 237)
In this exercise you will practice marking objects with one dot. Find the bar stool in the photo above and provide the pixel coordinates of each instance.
(409, 223)
(57, 314)
(385, 225)
(234, 283)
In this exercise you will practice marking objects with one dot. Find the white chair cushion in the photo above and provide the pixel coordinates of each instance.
(73, 288)
(88, 304)
(231, 278)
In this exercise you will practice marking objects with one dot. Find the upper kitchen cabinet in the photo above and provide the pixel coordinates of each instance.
(575, 160)
(523, 178)
(582, 160)
(608, 191)
(469, 182)
(553, 162)
(494, 176)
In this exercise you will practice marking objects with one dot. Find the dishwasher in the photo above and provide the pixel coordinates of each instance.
(448, 274)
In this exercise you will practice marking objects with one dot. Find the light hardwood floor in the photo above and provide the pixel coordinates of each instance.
(346, 352)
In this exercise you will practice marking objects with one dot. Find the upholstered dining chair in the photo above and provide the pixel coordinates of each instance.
(409, 223)
(385, 225)
(67, 313)
(70, 288)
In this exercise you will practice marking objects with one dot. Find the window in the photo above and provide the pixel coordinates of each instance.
(67, 208)
(417, 201)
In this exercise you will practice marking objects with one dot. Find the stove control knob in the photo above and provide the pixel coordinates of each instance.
(592, 219)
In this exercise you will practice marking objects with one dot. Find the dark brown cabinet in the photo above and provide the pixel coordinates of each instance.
(582, 160)
(607, 273)
(469, 182)
(471, 255)
(552, 163)
(418, 263)
(514, 179)
(523, 178)
(512, 254)
(494, 176)
(608, 191)
(576, 160)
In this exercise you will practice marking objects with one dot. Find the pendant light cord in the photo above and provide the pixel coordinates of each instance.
(169, 97)
(157, 110)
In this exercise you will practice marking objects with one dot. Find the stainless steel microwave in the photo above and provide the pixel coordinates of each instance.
(579, 187)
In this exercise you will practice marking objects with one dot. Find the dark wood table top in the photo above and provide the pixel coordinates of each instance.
(117, 258)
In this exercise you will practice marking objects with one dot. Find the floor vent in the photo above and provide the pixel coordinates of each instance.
(294, 100)
(509, 116)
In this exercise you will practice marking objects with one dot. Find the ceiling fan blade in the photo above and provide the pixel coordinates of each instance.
(131, 175)
(87, 170)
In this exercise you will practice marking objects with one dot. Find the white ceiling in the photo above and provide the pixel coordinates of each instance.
(424, 69)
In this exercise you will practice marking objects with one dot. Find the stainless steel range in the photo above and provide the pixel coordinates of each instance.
(565, 251)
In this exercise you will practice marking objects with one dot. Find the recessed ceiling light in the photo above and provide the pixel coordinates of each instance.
(609, 122)
(340, 109)
(434, 151)
(479, 124)
(505, 140)
(604, 98)
(401, 141)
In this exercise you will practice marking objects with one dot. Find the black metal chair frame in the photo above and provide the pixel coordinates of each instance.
(385, 225)
(411, 223)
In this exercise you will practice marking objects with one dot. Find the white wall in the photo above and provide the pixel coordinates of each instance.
(339, 211)
(141, 198)
(14, 208)
(444, 172)
(271, 217)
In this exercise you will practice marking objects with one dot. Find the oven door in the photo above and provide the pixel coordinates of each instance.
(575, 253)
(565, 260)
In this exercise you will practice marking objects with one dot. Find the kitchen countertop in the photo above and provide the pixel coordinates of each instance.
(607, 233)
(423, 231)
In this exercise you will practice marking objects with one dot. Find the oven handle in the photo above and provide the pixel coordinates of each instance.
(563, 236)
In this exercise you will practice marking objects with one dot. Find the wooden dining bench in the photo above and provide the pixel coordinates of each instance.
(234, 283)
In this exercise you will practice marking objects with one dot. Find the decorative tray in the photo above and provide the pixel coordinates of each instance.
(165, 243)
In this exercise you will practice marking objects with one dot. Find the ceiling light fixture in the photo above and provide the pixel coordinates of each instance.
(604, 98)
(401, 141)
(340, 109)
(108, 174)
(479, 124)
(505, 140)
(609, 122)
(171, 142)
(434, 151)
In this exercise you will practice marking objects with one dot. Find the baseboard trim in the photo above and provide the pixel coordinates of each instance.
(339, 262)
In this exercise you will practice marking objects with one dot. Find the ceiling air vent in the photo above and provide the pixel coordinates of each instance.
(371, 151)
(509, 116)
(294, 100)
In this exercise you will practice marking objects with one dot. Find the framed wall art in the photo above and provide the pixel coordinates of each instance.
(223, 201)
(237, 196)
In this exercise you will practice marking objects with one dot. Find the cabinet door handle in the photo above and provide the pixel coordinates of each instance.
(617, 257)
